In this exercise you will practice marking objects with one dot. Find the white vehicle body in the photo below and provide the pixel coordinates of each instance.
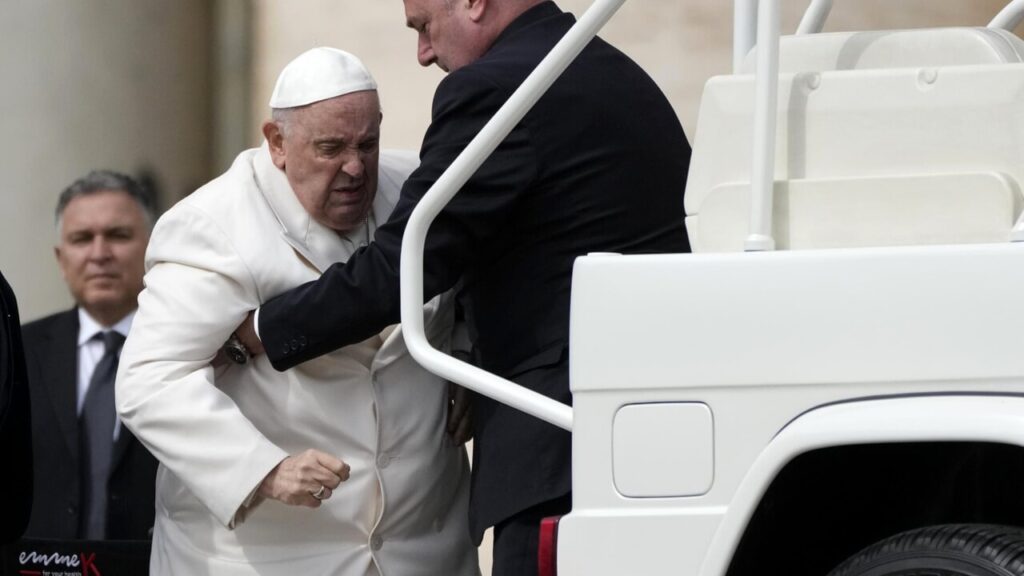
(871, 328)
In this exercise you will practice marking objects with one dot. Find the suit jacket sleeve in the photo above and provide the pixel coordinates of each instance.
(15, 421)
(352, 301)
(198, 290)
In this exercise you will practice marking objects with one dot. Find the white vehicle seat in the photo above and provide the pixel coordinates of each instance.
(884, 138)
(916, 48)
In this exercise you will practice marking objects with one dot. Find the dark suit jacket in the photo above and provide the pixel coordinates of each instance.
(15, 424)
(599, 165)
(51, 351)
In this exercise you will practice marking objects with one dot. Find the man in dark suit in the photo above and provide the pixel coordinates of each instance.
(15, 431)
(599, 165)
(93, 479)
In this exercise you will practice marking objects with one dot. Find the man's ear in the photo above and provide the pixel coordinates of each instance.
(477, 8)
(275, 141)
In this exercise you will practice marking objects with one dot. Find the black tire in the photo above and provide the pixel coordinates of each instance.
(948, 550)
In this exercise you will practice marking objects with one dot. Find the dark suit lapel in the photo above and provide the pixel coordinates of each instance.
(59, 371)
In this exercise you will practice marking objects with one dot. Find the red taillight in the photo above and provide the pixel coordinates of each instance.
(547, 548)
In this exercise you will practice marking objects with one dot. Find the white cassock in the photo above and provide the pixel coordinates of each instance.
(217, 254)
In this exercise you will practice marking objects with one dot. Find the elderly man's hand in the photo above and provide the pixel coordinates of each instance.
(305, 479)
(460, 414)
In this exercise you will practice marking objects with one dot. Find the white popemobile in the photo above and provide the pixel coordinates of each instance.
(833, 383)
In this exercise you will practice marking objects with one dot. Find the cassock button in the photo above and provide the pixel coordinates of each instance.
(302, 340)
(72, 510)
(286, 349)
(295, 344)
(376, 542)
(383, 461)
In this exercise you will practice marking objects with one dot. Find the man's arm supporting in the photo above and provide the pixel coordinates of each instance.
(354, 300)
(197, 290)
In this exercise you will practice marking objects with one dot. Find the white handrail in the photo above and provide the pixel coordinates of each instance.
(744, 34)
(1009, 17)
(766, 94)
(815, 16)
(762, 178)
(535, 85)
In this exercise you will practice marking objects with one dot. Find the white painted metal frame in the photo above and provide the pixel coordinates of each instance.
(765, 119)
(766, 23)
(814, 18)
(447, 186)
(1009, 17)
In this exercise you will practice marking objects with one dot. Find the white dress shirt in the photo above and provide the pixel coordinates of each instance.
(90, 351)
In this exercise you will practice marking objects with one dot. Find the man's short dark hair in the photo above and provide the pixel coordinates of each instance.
(104, 180)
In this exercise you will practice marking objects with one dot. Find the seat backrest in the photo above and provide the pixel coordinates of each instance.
(884, 138)
(922, 47)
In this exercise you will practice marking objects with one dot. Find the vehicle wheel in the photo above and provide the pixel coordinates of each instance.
(948, 550)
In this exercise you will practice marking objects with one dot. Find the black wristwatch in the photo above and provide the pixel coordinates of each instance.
(235, 350)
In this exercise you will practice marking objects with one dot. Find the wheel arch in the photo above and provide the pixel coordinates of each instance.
(871, 431)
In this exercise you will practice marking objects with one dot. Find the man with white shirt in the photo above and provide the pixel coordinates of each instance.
(92, 479)
(338, 466)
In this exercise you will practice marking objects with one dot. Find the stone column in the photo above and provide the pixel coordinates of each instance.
(118, 84)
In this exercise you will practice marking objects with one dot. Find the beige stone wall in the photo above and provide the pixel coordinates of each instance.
(158, 86)
(681, 43)
(120, 84)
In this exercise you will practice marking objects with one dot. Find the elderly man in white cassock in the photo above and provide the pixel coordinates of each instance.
(341, 465)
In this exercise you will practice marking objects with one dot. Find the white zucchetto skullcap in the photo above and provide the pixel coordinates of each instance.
(319, 74)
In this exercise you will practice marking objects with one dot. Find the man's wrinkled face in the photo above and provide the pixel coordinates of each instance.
(329, 152)
(102, 246)
(447, 34)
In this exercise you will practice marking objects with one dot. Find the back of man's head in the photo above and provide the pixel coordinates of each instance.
(455, 34)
